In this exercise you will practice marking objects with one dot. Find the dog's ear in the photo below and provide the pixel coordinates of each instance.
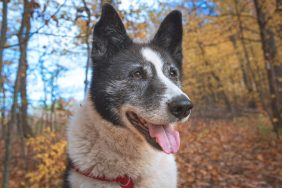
(169, 35)
(109, 34)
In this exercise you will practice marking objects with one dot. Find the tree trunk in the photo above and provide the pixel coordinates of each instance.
(106, 1)
(269, 52)
(3, 38)
(23, 37)
(53, 102)
(279, 4)
(3, 118)
(6, 170)
(88, 33)
(44, 113)
(248, 76)
(7, 155)
(260, 82)
(278, 66)
(2, 44)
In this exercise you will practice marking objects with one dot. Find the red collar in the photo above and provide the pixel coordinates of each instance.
(123, 181)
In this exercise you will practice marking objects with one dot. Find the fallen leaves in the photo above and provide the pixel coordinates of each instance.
(229, 153)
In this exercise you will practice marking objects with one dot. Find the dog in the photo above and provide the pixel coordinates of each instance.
(123, 134)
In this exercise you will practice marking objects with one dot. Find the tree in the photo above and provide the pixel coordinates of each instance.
(21, 71)
(23, 37)
(88, 34)
(106, 1)
(248, 76)
(2, 44)
(214, 76)
(270, 57)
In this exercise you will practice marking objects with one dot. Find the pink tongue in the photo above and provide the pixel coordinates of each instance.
(166, 136)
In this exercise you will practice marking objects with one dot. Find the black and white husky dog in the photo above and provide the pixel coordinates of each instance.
(123, 134)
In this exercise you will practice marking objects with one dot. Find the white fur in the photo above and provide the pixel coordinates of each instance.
(172, 90)
(114, 151)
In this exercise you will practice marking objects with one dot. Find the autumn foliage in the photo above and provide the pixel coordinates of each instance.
(48, 153)
(39, 162)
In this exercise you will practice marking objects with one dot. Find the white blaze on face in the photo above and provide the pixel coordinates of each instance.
(172, 90)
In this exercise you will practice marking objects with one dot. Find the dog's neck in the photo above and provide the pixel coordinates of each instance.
(107, 149)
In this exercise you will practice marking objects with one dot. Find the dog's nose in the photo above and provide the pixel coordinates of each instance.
(180, 106)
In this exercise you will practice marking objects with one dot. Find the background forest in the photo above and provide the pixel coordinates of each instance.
(232, 72)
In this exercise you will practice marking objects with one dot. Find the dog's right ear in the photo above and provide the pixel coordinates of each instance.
(109, 34)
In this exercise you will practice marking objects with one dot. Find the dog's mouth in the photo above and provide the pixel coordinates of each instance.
(163, 137)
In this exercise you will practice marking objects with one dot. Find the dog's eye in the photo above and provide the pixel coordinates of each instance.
(172, 73)
(137, 75)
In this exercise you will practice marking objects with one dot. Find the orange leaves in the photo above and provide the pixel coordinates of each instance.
(137, 30)
(34, 4)
(259, 157)
(54, 18)
(83, 26)
(235, 186)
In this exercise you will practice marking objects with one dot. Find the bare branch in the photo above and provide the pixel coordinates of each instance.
(37, 31)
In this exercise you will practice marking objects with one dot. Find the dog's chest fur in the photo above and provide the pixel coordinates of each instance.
(113, 151)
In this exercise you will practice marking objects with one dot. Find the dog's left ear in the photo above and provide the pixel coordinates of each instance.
(169, 35)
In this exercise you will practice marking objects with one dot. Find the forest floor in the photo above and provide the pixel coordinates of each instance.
(242, 152)
(232, 153)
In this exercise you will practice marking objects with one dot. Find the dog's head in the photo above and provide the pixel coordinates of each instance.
(137, 86)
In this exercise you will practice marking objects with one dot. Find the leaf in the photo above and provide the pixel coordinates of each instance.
(55, 19)
(260, 157)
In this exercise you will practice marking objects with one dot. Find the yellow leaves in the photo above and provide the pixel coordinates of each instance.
(279, 79)
(136, 30)
(49, 159)
(274, 120)
(82, 24)
(221, 51)
(273, 96)
(83, 27)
